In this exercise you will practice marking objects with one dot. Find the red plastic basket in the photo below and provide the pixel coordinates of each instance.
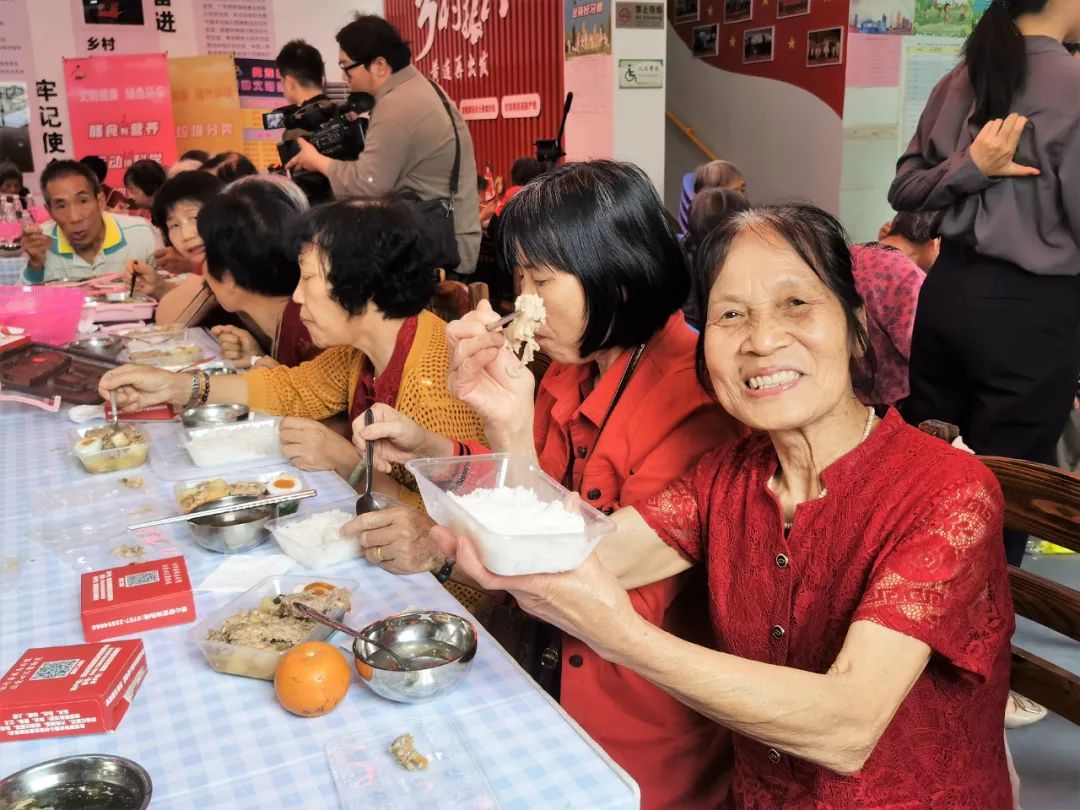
(48, 314)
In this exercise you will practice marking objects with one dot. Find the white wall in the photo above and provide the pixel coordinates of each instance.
(53, 37)
(787, 142)
(639, 114)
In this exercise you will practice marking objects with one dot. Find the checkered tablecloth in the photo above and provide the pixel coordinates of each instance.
(11, 268)
(219, 741)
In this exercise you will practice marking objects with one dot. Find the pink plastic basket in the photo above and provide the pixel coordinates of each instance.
(48, 314)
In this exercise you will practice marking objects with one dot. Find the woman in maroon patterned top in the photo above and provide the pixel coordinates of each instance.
(857, 588)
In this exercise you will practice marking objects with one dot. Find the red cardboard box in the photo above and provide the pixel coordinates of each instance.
(64, 691)
(132, 598)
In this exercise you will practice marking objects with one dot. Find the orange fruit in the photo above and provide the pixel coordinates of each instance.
(311, 679)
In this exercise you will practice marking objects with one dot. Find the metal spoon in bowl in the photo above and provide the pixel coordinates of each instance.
(366, 502)
(322, 618)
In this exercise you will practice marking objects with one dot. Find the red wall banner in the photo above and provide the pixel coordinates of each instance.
(801, 42)
(120, 108)
(482, 51)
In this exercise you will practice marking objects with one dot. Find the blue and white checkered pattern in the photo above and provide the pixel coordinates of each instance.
(220, 741)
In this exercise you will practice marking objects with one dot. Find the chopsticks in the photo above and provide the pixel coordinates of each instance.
(223, 510)
(495, 326)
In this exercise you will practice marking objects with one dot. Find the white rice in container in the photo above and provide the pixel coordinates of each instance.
(316, 541)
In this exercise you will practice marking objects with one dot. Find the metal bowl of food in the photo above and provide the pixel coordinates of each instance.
(214, 415)
(106, 346)
(232, 532)
(438, 647)
(84, 782)
(219, 370)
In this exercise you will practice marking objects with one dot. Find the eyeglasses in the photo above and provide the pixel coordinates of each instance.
(346, 68)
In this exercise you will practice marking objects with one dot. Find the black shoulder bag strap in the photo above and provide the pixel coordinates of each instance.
(455, 175)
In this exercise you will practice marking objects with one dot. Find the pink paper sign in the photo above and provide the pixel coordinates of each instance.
(121, 109)
(873, 61)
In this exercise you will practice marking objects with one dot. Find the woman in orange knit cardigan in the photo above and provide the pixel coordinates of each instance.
(363, 287)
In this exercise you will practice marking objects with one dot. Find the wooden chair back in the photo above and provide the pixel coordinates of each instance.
(1043, 501)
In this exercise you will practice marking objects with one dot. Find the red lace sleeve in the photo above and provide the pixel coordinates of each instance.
(943, 579)
(678, 513)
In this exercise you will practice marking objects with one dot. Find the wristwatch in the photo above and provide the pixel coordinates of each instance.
(444, 573)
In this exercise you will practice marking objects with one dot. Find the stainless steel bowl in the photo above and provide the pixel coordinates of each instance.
(214, 415)
(443, 644)
(85, 781)
(234, 531)
(215, 371)
(106, 346)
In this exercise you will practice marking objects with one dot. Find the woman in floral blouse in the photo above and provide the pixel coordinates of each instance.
(857, 589)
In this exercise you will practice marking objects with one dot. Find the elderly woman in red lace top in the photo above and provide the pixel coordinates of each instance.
(858, 592)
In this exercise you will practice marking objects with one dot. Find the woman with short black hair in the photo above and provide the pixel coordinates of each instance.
(143, 179)
(618, 416)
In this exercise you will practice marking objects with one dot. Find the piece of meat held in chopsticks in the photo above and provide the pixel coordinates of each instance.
(520, 332)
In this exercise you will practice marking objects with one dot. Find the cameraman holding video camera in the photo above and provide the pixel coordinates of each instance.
(417, 143)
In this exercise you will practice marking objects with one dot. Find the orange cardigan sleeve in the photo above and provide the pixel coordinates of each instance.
(317, 389)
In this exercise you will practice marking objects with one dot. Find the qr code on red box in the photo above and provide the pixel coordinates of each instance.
(55, 669)
(145, 578)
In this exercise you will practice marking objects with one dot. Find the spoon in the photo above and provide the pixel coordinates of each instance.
(495, 326)
(322, 618)
(366, 502)
(114, 417)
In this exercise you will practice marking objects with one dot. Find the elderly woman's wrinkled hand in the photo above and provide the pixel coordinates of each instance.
(486, 375)
(397, 438)
(237, 345)
(310, 445)
(397, 539)
(588, 603)
(141, 387)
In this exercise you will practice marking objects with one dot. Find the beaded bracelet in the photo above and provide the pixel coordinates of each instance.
(195, 384)
(205, 395)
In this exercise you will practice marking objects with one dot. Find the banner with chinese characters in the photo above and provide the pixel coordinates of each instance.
(589, 73)
(206, 107)
(241, 28)
(482, 52)
(259, 85)
(121, 108)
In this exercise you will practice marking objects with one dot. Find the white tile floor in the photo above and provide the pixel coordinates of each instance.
(1047, 754)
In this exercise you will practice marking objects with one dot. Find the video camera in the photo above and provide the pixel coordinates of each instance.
(337, 128)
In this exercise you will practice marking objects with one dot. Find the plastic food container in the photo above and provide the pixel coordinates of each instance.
(106, 461)
(308, 550)
(232, 659)
(166, 356)
(253, 440)
(507, 554)
(276, 482)
(154, 334)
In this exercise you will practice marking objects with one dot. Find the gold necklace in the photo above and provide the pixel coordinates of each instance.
(870, 416)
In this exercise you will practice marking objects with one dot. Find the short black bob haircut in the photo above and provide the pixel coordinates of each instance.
(524, 170)
(97, 165)
(229, 166)
(68, 168)
(194, 187)
(246, 231)
(603, 223)
(368, 37)
(303, 62)
(819, 240)
(918, 227)
(146, 175)
(372, 251)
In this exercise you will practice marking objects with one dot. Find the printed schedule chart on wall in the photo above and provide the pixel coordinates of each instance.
(924, 65)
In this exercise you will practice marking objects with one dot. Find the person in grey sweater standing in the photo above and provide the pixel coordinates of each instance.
(996, 346)
(411, 144)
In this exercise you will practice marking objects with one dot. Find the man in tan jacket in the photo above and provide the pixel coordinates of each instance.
(410, 141)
